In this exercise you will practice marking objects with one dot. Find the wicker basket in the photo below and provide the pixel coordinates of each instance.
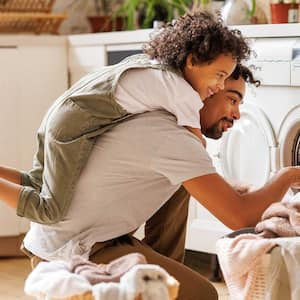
(30, 22)
(26, 5)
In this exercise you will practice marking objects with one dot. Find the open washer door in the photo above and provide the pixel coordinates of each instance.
(289, 139)
(247, 151)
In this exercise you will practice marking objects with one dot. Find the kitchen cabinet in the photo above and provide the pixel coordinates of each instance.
(85, 59)
(89, 52)
(33, 74)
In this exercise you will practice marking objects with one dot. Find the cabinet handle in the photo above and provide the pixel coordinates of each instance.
(8, 47)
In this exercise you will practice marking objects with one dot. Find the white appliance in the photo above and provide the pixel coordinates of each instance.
(267, 136)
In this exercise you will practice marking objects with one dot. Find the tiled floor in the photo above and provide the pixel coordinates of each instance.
(13, 272)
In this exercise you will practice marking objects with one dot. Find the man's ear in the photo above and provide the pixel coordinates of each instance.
(189, 61)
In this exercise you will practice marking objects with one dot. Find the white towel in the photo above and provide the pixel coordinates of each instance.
(53, 280)
(148, 281)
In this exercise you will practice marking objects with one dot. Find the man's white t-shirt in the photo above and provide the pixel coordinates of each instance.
(142, 90)
(132, 171)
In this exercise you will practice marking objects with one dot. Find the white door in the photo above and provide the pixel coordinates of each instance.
(249, 149)
(32, 76)
(9, 128)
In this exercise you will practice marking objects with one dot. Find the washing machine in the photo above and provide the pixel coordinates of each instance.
(265, 139)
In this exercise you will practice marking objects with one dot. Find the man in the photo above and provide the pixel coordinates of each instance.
(132, 172)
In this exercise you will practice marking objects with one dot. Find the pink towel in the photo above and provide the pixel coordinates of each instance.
(280, 220)
(240, 258)
(111, 272)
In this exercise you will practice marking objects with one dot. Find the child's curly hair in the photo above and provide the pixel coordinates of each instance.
(201, 34)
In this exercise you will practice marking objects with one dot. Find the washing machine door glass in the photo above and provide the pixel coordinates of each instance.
(245, 152)
(289, 139)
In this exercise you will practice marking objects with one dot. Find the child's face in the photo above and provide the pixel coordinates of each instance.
(208, 78)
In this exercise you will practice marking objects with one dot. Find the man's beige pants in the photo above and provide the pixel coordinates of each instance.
(163, 245)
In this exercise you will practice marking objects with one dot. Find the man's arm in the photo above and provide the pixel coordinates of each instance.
(240, 210)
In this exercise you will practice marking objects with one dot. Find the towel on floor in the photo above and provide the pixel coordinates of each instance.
(110, 272)
(280, 220)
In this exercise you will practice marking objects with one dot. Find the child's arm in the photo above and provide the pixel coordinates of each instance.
(10, 186)
(10, 174)
(198, 133)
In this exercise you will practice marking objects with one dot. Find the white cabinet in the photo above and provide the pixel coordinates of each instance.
(9, 93)
(89, 52)
(33, 74)
(85, 59)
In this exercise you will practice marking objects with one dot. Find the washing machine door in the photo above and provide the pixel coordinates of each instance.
(289, 139)
(247, 150)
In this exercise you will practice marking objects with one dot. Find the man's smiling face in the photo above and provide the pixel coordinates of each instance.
(222, 109)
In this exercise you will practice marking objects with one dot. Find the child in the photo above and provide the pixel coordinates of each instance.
(183, 64)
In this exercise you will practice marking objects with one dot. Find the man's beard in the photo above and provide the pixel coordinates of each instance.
(214, 131)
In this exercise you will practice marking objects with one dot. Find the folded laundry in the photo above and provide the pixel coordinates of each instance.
(111, 272)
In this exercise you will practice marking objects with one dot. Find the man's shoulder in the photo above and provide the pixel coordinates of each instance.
(161, 125)
(157, 118)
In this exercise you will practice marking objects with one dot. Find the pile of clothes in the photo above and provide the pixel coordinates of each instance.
(265, 265)
(126, 278)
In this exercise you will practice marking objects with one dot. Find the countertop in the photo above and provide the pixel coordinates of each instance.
(11, 40)
(140, 36)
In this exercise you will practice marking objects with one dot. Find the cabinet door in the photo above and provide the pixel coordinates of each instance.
(43, 76)
(31, 78)
(9, 128)
(84, 60)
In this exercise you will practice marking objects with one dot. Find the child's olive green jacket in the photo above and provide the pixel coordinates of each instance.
(66, 137)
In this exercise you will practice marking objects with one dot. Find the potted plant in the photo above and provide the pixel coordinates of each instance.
(142, 13)
(188, 6)
(284, 11)
(103, 20)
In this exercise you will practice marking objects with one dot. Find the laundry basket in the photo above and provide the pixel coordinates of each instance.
(253, 284)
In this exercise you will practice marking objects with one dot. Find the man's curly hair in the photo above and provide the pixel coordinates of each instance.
(202, 35)
(244, 72)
